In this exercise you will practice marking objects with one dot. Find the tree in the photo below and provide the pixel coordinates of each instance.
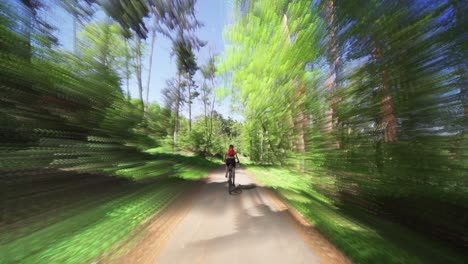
(334, 60)
(460, 51)
(174, 99)
(178, 22)
(137, 50)
(153, 38)
(82, 11)
(209, 74)
(177, 19)
(127, 70)
(271, 74)
(32, 7)
(103, 43)
(189, 67)
(186, 67)
(129, 15)
(35, 29)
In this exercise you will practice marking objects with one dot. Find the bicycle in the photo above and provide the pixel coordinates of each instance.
(231, 179)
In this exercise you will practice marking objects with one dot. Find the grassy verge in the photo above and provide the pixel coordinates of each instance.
(362, 237)
(76, 224)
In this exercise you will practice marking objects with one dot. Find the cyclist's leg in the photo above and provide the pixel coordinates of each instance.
(233, 174)
(230, 177)
(228, 162)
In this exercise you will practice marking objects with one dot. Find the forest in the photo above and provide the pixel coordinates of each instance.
(354, 112)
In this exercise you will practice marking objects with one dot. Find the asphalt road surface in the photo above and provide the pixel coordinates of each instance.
(251, 226)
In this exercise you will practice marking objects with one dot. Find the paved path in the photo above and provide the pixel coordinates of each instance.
(245, 228)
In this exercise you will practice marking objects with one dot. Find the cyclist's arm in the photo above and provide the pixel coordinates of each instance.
(238, 161)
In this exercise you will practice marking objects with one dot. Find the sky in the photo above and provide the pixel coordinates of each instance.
(214, 14)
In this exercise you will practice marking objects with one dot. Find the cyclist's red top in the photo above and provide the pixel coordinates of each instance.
(231, 152)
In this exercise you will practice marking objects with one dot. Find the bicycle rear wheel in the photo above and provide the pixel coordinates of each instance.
(230, 183)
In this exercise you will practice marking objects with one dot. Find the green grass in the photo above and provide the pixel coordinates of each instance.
(173, 165)
(362, 237)
(162, 149)
(149, 169)
(85, 235)
(84, 230)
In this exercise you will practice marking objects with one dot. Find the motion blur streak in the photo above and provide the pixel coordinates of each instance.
(367, 100)
(74, 180)
(370, 97)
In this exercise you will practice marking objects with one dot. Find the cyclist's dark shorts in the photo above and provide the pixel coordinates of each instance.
(231, 161)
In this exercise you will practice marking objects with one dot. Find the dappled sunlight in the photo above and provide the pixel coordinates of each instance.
(244, 227)
(118, 119)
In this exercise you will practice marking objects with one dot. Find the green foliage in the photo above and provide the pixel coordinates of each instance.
(369, 93)
(104, 43)
(54, 96)
(75, 164)
(198, 140)
(267, 60)
(129, 15)
(367, 100)
(101, 213)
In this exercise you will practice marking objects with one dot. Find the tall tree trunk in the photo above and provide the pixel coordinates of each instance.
(127, 68)
(331, 110)
(335, 60)
(300, 119)
(261, 146)
(205, 101)
(28, 24)
(153, 38)
(190, 112)
(301, 122)
(75, 46)
(460, 53)
(176, 121)
(464, 89)
(211, 115)
(105, 52)
(189, 85)
(128, 88)
(388, 123)
(138, 71)
(205, 116)
(461, 21)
